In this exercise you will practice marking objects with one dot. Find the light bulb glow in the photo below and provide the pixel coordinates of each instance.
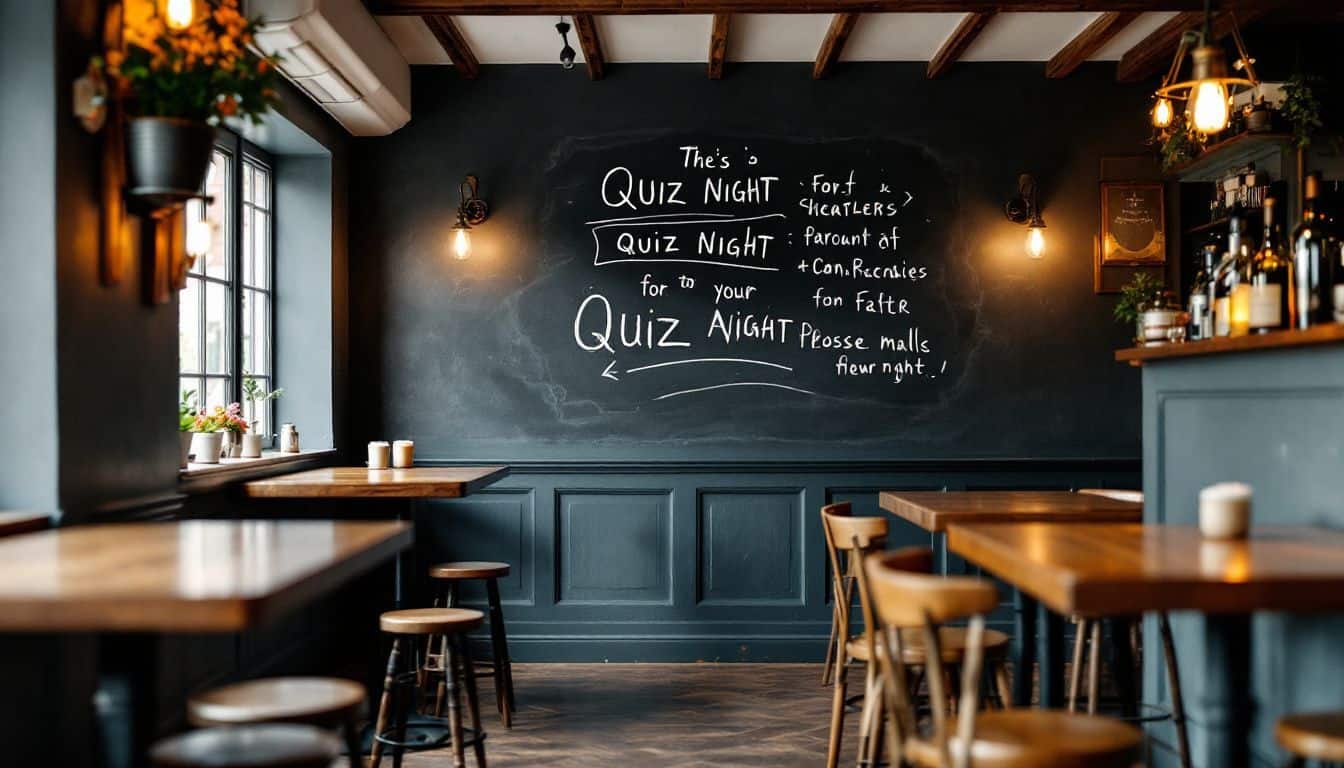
(1162, 113)
(1208, 107)
(1036, 242)
(461, 243)
(200, 236)
(178, 14)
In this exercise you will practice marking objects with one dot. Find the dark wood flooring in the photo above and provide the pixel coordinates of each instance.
(660, 716)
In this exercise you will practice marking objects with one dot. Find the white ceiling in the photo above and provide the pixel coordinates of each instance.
(764, 37)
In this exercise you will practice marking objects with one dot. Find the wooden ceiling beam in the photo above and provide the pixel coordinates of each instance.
(833, 44)
(613, 7)
(1088, 42)
(718, 45)
(956, 43)
(586, 28)
(1153, 55)
(448, 35)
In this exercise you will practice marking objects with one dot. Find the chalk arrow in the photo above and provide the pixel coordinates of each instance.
(908, 198)
(609, 373)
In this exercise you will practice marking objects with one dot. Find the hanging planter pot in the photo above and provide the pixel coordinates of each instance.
(167, 158)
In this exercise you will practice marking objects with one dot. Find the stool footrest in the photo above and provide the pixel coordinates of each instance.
(425, 735)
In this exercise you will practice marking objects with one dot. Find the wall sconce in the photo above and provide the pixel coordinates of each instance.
(471, 211)
(1026, 209)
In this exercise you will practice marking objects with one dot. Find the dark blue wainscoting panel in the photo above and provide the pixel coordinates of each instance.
(687, 562)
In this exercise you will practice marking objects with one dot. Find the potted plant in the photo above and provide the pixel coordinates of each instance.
(1302, 108)
(1135, 297)
(176, 84)
(186, 419)
(211, 427)
(255, 396)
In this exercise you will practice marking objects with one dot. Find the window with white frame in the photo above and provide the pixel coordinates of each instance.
(227, 311)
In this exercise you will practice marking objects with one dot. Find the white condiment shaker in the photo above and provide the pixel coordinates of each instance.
(289, 438)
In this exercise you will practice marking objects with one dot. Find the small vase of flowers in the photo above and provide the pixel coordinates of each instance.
(211, 427)
(176, 83)
(256, 397)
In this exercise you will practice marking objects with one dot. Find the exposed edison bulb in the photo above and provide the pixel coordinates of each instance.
(1208, 107)
(200, 236)
(461, 243)
(1162, 113)
(178, 14)
(1036, 242)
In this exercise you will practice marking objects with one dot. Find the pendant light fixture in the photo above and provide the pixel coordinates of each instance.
(566, 53)
(1207, 95)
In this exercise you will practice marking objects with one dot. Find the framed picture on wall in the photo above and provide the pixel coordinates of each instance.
(1133, 223)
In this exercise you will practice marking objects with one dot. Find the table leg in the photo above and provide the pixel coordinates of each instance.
(1049, 649)
(125, 701)
(1024, 647)
(1122, 665)
(1226, 701)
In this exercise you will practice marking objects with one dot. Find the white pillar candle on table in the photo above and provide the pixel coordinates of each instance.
(403, 453)
(1225, 511)
(379, 454)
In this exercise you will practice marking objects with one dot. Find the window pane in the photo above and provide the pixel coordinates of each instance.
(247, 182)
(261, 251)
(261, 187)
(217, 186)
(189, 327)
(195, 387)
(256, 332)
(248, 257)
(217, 347)
(216, 392)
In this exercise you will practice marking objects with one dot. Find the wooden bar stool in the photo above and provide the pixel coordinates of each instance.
(249, 746)
(846, 595)
(854, 538)
(452, 626)
(501, 667)
(1311, 736)
(1012, 738)
(327, 702)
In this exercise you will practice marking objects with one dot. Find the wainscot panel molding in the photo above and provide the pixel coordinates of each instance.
(693, 561)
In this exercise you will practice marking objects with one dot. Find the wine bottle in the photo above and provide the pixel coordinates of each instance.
(1312, 264)
(1201, 311)
(1272, 300)
(1227, 276)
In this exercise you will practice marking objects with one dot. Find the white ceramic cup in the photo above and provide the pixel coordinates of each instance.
(380, 453)
(403, 453)
(1225, 511)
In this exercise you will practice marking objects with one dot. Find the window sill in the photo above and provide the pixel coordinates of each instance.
(203, 478)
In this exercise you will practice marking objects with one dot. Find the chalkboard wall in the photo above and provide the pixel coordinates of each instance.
(764, 267)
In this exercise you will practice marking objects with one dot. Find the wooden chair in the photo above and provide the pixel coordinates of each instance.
(249, 746)
(1012, 738)
(1311, 736)
(854, 538)
(499, 664)
(838, 632)
(326, 702)
(451, 625)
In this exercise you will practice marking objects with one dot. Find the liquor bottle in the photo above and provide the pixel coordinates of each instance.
(1271, 296)
(1312, 264)
(1201, 311)
(1227, 276)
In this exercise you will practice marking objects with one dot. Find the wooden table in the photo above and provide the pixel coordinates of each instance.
(133, 582)
(1038, 634)
(1131, 569)
(13, 522)
(362, 483)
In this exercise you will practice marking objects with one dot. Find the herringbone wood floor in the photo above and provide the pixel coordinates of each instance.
(660, 716)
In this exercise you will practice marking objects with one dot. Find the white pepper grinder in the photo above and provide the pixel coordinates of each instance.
(289, 438)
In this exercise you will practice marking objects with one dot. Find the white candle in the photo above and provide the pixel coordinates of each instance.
(403, 453)
(379, 454)
(1225, 511)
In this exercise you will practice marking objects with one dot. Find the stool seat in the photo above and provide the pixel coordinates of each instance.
(251, 746)
(469, 569)
(951, 641)
(277, 699)
(1315, 735)
(1026, 738)
(430, 621)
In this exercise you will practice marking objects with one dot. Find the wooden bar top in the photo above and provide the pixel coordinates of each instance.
(1108, 569)
(1329, 333)
(194, 576)
(363, 483)
(13, 522)
(936, 510)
